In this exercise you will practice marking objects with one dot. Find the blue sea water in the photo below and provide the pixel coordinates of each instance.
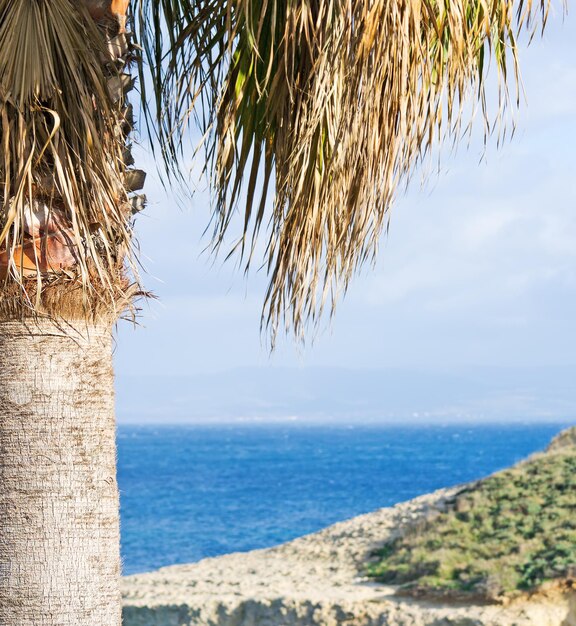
(188, 492)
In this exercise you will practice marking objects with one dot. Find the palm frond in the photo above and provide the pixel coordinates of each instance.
(333, 103)
(63, 202)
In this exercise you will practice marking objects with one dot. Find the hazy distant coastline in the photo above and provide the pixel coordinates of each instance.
(337, 395)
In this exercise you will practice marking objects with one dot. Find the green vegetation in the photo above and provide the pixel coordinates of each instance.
(502, 536)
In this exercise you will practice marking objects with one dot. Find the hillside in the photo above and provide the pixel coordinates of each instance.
(503, 536)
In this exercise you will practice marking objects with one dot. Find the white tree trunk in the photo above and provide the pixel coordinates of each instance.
(59, 524)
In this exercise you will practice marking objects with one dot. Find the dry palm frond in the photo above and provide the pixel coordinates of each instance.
(63, 198)
(333, 102)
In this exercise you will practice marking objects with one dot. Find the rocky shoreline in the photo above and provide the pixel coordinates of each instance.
(317, 580)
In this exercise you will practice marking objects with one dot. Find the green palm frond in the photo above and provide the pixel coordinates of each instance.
(332, 103)
(61, 155)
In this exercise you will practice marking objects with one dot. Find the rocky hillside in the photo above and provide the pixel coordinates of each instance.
(500, 538)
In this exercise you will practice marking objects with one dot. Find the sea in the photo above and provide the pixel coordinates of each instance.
(190, 492)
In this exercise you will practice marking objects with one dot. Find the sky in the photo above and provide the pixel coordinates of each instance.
(477, 272)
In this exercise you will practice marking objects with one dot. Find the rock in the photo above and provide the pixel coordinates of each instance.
(563, 440)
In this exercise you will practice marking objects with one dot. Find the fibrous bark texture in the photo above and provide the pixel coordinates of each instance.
(59, 527)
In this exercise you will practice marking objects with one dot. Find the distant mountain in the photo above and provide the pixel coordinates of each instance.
(336, 394)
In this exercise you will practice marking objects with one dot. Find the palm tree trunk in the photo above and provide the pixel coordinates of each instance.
(59, 522)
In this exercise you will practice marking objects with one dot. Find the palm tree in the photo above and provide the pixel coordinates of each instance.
(326, 106)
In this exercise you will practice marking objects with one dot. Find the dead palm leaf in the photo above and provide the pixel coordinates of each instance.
(61, 157)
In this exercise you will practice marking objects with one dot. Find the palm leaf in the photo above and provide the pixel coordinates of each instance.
(334, 102)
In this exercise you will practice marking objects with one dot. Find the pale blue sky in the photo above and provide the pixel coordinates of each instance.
(479, 267)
